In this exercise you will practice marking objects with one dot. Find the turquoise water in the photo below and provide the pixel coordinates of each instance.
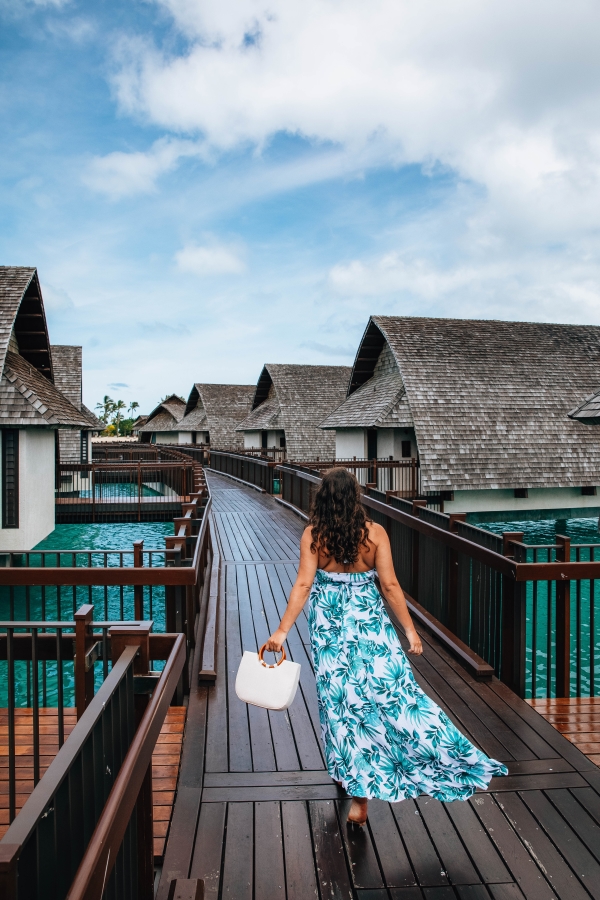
(59, 603)
(540, 606)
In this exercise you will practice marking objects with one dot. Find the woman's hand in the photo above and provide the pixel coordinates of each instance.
(416, 647)
(276, 640)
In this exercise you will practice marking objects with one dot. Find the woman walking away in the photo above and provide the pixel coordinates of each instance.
(383, 736)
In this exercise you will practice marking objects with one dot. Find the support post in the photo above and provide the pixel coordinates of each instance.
(512, 665)
(416, 506)
(138, 589)
(452, 562)
(9, 856)
(563, 622)
(84, 680)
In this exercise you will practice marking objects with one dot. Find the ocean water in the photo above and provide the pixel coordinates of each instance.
(540, 601)
(51, 603)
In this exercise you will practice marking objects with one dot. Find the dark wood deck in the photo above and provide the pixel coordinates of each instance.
(257, 817)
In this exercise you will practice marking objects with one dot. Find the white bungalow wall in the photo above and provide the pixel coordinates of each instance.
(36, 491)
(352, 442)
(253, 439)
(503, 501)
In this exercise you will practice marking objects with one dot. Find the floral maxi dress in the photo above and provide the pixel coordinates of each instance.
(384, 738)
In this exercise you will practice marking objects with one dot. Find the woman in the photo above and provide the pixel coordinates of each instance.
(383, 736)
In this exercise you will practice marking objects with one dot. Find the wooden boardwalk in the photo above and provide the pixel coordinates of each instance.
(165, 762)
(257, 817)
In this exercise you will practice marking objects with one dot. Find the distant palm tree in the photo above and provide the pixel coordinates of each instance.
(118, 417)
(107, 407)
(132, 408)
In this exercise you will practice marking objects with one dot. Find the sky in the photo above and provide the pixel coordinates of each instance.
(208, 185)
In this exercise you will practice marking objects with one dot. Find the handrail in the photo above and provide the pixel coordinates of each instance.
(101, 853)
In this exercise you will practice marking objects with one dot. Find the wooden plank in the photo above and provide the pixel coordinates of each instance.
(301, 880)
(217, 745)
(541, 782)
(269, 870)
(455, 860)
(408, 893)
(478, 843)
(240, 752)
(263, 754)
(569, 806)
(562, 834)
(393, 859)
(333, 875)
(238, 868)
(209, 657)
(421, 852)
(266, 779)
(516, 856)
(208, 848)
(509, 891)
(281, 792)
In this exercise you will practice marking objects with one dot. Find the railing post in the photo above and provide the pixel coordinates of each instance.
(9, 856)
(452, 563)
(122, 636)
(414, 587)
(563, 622)
(512, 666)
(138, 589)
(84, 675)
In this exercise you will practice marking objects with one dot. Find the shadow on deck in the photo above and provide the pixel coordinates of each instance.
(257, 817)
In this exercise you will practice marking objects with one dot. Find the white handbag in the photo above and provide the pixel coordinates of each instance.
(272, 687)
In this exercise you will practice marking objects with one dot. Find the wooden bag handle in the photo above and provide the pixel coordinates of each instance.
(266, 665)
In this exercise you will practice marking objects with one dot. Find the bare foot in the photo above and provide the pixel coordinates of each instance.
(358, 811)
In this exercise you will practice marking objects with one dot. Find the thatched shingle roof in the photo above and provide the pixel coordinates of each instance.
(28, 394)
(490, 400)
(166, 416)
(217, 408)
(296, 399)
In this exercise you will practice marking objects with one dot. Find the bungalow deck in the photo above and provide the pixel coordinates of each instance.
(257, 817)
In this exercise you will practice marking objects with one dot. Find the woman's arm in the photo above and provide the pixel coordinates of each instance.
(391, 588)
(299, 593)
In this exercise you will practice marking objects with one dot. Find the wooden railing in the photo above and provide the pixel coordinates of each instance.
(85, 832)
(488, 591)
(401, 477)
(256, 471)
(35, 585)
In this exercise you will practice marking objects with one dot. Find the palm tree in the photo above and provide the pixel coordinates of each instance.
(117, 407)
(132, 408)
(107, 407)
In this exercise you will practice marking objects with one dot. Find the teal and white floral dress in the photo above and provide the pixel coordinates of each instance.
(383, 736)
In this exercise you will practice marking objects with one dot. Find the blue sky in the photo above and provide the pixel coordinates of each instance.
(208, 186)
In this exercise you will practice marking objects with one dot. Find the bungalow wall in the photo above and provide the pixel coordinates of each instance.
(36, 490)
(254, 439)
(354, 442)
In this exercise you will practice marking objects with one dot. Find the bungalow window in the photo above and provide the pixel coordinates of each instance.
(264, 437)
(406, 449)
(83, 447)
(10, 478)
(282, 441)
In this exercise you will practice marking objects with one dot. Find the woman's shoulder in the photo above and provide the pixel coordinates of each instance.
(375, 532)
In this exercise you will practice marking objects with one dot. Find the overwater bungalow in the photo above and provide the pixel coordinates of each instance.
(68, 378)
(32, 412)
(290, 402)
(483, 406)
(212, 414)
(161, 425)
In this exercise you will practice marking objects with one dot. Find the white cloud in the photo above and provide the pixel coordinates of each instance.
(122, 174)
(502, 92)
(213, 259)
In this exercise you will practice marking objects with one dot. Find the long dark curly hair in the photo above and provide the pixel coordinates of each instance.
(338, 518)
